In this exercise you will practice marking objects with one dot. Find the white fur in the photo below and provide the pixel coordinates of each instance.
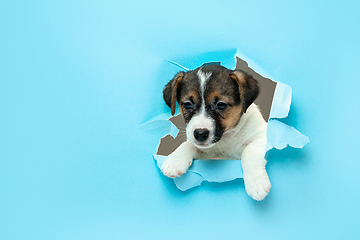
(203, 78)
(246, 141)
(179, 161)
(201, 119)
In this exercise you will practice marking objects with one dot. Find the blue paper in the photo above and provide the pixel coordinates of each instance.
(226, 58)
(281, 102)
(206, 170)
(161, 124)
(279, 135)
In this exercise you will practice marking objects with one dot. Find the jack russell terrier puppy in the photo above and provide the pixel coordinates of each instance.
(221, 123)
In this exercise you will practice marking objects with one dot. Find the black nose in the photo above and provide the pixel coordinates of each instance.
(201, 134)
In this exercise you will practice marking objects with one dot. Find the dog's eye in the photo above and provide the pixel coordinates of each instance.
(221, 105)
(188, 105)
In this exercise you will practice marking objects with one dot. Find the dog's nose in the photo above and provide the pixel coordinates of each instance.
(201, 134)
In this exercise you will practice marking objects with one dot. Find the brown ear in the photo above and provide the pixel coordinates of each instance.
(249, 88)
(170, 89)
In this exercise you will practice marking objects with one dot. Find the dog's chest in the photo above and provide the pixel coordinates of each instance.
(230, 146)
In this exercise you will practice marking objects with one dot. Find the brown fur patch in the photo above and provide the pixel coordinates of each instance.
(192, 95)
(216, 95)
(173, 99)
(232, 117)
(249, 88)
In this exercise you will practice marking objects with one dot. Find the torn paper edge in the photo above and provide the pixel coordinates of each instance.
(161, 122)
(203, 170)
(279, 109)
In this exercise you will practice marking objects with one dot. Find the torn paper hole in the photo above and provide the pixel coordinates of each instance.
(274, 102)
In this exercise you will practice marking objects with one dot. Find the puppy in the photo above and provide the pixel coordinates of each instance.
(222, 122)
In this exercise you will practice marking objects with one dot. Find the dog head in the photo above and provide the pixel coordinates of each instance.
(211, 99)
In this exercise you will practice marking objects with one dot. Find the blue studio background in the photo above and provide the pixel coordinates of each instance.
(79, 77)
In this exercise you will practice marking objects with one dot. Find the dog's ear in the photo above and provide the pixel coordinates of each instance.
(170, 89)
(249, 88)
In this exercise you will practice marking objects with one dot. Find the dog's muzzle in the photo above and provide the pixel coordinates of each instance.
(201, 134)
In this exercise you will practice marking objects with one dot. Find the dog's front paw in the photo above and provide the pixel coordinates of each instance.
(257, 187)
(175, 165)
